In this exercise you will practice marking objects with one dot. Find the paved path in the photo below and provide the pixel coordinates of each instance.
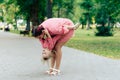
(20, 60)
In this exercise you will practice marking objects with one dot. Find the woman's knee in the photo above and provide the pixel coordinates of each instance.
(58, 46)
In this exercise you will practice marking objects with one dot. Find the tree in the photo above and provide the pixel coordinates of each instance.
(1, 15)
(69, 6)
(82, 20)
(105, 16)
(57, 5)
(49, 8)
(63, 8)
(1, 1)
(8, 9)
(32, 10)
(14, 6)
(87, 5)
(1, 11)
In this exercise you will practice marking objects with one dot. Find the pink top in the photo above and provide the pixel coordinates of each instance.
(55, 27)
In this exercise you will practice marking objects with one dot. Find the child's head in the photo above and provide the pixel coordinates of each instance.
(46, 54)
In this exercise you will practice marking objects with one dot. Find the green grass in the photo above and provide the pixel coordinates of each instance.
(15, 31)
(104, 46)
(18, 32)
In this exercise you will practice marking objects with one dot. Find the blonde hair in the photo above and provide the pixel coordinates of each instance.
(46, 60)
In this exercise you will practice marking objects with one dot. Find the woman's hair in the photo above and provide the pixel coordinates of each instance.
(38, 31)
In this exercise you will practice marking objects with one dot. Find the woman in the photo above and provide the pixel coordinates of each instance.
(53, 34)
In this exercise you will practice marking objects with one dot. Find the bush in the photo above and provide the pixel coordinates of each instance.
(104, 31)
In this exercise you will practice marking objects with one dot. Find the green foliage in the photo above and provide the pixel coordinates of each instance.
(1, 1)
(105, 16)
(87, 5)
(63, 8)
(8, 9)
(106, 11)
(33, 10)
(1, 18)
(82, 20)
(104, 31)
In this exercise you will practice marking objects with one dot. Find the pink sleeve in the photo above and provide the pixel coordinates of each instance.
(47, 43)
(50, 42)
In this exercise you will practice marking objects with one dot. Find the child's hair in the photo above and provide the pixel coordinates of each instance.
(45, 60)
(38, 31)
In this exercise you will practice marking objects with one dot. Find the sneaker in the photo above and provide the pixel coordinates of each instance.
(76, 26)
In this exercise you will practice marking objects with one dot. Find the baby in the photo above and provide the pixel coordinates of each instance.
(47, 54)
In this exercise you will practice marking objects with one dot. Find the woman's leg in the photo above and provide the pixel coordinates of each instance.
(52, 64)
(58, 47)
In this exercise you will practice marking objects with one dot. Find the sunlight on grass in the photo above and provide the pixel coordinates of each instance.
(104, 46)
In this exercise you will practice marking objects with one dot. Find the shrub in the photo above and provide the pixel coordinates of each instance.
(104, 31)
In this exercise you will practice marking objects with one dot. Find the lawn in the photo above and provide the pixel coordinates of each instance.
(104, 46)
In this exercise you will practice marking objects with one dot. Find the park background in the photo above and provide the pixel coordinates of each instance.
(99, 32)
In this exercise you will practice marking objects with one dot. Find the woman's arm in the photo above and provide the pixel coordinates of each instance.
(48, 41)
(47, 33)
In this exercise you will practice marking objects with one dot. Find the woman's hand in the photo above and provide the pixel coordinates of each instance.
(47, 33)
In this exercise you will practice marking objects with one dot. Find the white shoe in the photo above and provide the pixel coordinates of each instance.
(55, 72)
(76, 26)
(50, 71)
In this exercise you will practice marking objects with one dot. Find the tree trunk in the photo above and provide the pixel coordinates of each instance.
(109, 22)
(15, 26)
(88, 22)
(28, 24)
(59, 8)
(2, 16)
(82, 26)
(34, 13)
(58, 12)
(49, 8)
